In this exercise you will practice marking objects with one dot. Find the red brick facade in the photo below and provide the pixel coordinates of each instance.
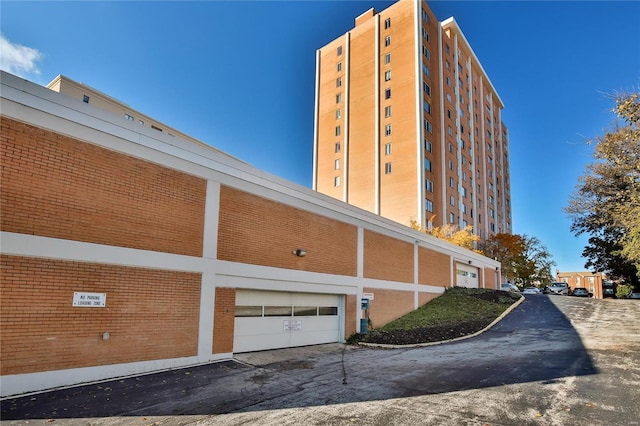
(60, 187)
(149, 314)
(263, 232)
(223, 320)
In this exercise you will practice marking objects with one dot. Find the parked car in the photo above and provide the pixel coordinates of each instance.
(531, 290)
(581, 292)
(559, 288)
(634, 295)
(546, 290)
(510, 287)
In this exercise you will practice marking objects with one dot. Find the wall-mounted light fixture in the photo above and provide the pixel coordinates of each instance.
(497, 268)
(469, 262)
(299, 252)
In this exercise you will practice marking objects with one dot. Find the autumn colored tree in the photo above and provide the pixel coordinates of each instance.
(464, 238)
(606, 203)
(525, 260)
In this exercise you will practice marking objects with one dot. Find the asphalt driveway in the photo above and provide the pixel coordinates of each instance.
(552, 361)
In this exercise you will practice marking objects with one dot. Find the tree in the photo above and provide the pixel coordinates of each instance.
(606, 203)
(525, 260)
(464, 238)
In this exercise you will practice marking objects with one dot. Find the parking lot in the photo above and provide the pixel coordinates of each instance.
(555, 360)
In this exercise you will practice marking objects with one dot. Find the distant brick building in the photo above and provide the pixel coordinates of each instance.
(592, 281)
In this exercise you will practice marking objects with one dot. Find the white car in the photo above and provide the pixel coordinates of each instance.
(531, 290)
(510, 287)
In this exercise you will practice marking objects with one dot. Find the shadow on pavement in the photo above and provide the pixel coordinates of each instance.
(534, 343)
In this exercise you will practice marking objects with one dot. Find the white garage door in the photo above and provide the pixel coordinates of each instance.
(271, 320)
(466, 275)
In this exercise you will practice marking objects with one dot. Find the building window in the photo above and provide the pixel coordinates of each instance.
(426, 52)
(448, 82)
(428, 185)
(128, 116)
(427, 146)
(427, 165)
(387, 93)
(425, 17)
(425, 34)
(387, 58)
(426, 70)
(336, 181)
(337, 164)
(450, 147)
(387, 75)
(387, 149)
(339, 98)
(387, 111)
(387, 41)
(426, 88)
(427, 107)
(428, 206)
(339, 66)
(450, 182)
(338, 131)
(428, 127)
(450, 164)
(338, 81)
(85, 99)
(387, 23)
(339, 50)
(452, 218)
(449, 97)
(337, 147)
(140, 122)
(387, 168)
(387, 130)
(338, 114)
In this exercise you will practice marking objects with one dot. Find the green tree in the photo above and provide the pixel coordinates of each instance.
(525, 260)
(606, 202)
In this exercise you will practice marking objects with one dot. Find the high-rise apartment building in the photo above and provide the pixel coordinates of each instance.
(408, 124)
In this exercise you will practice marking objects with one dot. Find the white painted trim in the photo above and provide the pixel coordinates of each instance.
(205, 324)
(347, 109)
(443, 132)
(417, 23)
(211, 213)
(316, 118)
(376, 118)
(360, 253)
(54, 248)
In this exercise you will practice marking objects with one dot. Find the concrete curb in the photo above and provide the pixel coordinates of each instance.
(469, 336)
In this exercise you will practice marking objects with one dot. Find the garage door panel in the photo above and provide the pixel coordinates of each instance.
(270, 320)
(466, 276)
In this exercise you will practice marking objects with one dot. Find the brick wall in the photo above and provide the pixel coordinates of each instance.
(489, 278)
(434, 268)
(386, 258)
(263, 232)
(388, 305)
(56, 186)
(352, 304)
(224, 320)
(150, 314)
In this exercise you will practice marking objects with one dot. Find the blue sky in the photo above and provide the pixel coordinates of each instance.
(240, 76)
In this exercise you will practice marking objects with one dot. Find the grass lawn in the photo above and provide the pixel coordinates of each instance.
(457, 312)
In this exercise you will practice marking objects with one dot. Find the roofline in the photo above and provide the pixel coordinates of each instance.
(452, 23)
